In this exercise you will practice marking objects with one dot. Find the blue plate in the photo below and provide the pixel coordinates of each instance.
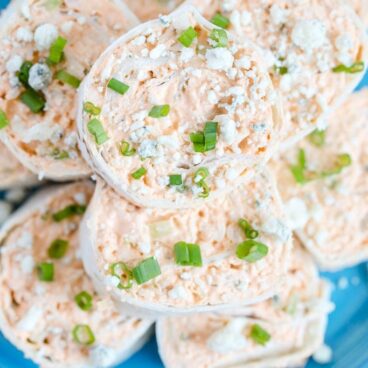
(347, 332)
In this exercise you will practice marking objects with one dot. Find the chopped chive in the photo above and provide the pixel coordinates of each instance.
(317, 138)
(33, 100)
(45, 271)
(357, 67)
(96, 129)
(65, 77)
(220, 20)
(69, 211)
(219, 38)
(82, 334)
(259, 335)
(175, 179)
(251, 251)
(250, 233)
(139, 173)
(118, 86)
(159, 111)
(124, 273)
(198, 141)
(146, 270)
(187, 37)
(210, 135)
(56, 50)
(59, 155)
(58, 248)
(188, 254)
(84, 300)
(90, 108)
(282, 70)
(23, 73)
(3, 119)
(126, 150)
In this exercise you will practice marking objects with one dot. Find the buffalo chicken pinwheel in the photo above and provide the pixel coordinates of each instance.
(47, 47)
(49, 308)
(169, 97)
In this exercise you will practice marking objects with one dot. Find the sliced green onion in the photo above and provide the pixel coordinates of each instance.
(124, 273)
(118, 86)
(259, 335)
(139, 173)
(23, 73)
(198, 141)
(188, 254)
(303, 176)
(146, 270)
(317, 138)
(35, 101)
(299, 174)
(59, 155)
(205, 190)
(199, 178)
(160, 229)
(82, 334)
(126, 150)
(84, 300)
(251, 251)
(201, 174)
(56, 50)
(210, 135)
(187, 37)
(342, 161)
(206, 141)
(298, 170)
(52, 4)
(302, 160)
(159, 111)
(3, 119)
(92, 109)
(96, 129)
(175, 179)
(65, 77)
(282, 70)
(69, 211)
(357, 67)
(219, 37)
(58, 248)
(249, 231)
(45, 271)
(292, 305)
(220, 20)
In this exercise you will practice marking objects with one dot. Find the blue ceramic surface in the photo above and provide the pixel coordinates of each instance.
(347, 332)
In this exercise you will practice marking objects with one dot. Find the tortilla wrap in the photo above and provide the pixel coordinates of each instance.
(39, 317)
(172, 93)
(303, 43)
(327, 199)
(116, 231)
(46, 141)
(295, 320)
